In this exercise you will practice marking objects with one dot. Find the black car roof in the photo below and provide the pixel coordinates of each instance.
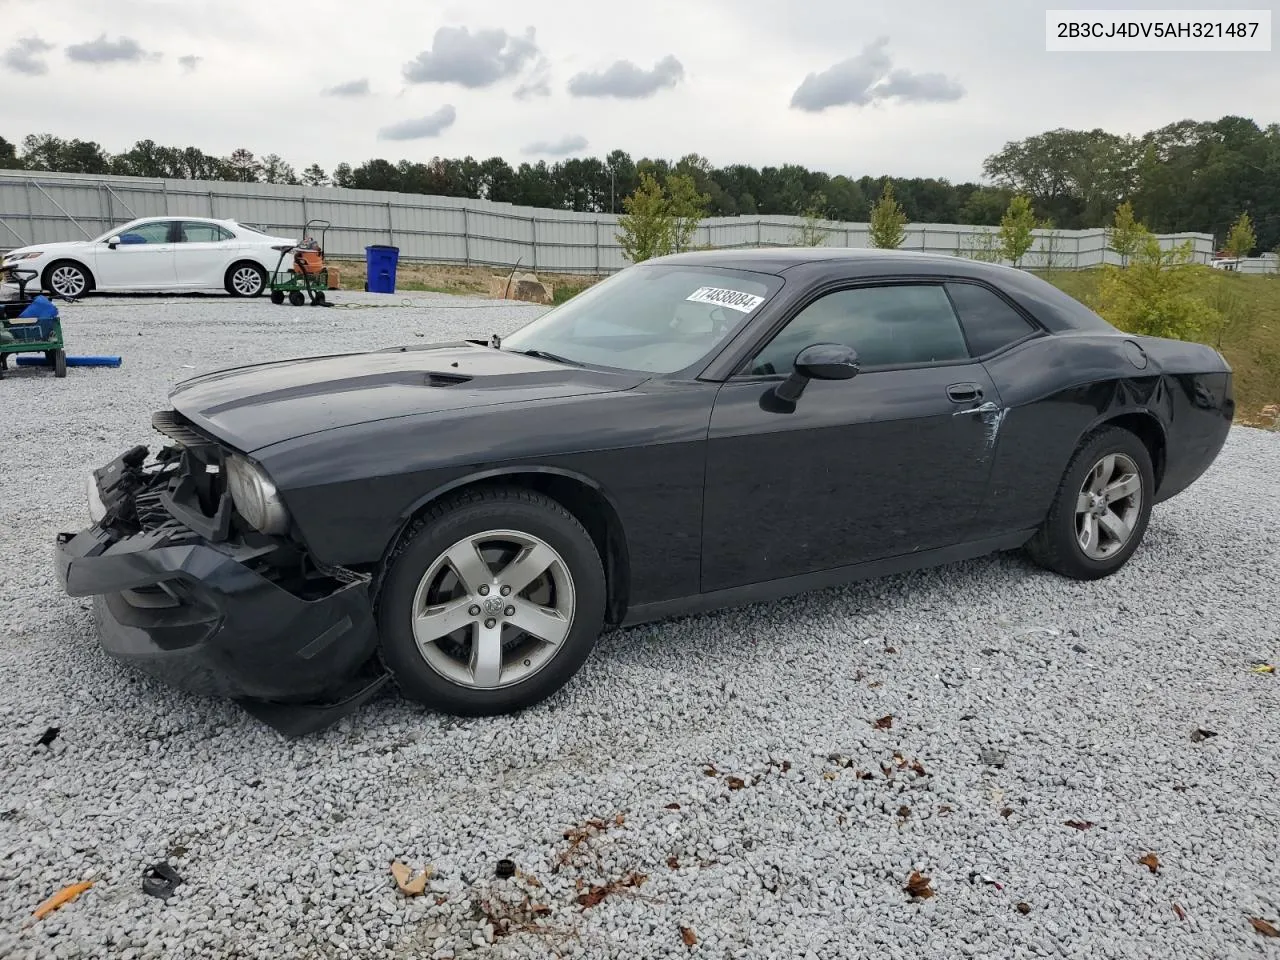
(1053, 308)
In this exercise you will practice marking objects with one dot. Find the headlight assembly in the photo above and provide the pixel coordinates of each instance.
(255, 496)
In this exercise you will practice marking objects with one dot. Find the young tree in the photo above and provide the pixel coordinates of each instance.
(686, 207)
(888, 221)
(242, 165)
(1241, 238)
(1126, 234)
(276, 170)
(1016, 225)
(1157, 295)
(644, 231)
(1050, 245)
(314, 176)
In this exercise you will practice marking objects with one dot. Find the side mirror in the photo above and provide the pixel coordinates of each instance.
(818, 361)
(113, 242)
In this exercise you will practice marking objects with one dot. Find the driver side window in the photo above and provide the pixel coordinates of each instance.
(157, 231)
(899, 324)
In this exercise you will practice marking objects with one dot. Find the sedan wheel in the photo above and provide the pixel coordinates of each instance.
(1101, 509)
(69, 280)
(492, 601)
(246, 280)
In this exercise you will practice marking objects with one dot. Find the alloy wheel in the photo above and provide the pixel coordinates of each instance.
(68, 281)
(493, 609)
(246, 281)
(1108, 506)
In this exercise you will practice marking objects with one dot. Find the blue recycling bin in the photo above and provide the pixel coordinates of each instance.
(380, 266)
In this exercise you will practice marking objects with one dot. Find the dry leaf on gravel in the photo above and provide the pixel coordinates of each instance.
(918, 886)
(672, 806)
(61, 898)
(735, 783)
(1181, 914)
(410, 885)
(1265, 668)
(1264, 928)
(904, 811)
(1199, 735)
(1006, 812)
(673, 863)
(884, 723)
(688, 936)
(1079, 824)
(597, 893)
(1151, 862)
(1024, 908)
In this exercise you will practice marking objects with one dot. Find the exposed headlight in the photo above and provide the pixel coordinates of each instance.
(255, 496)
(18, 257)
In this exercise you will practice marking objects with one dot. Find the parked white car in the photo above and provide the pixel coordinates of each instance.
(157, 254)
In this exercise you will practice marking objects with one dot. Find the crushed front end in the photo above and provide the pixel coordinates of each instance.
(187, 590)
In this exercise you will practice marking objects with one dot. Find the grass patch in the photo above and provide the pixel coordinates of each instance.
(1249, 336)
(459, 280)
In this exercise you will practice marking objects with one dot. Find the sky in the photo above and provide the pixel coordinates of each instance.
(924, 88)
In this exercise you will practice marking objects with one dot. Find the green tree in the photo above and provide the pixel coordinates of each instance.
(1240, 238)
(314, 176)
(1158, 295)
(242, 165)
(686, 208)
(888, 221)
(1126, 234)
(8, 156)
(1015, 233)
(811, 233)
(644, 231)
(276, 170)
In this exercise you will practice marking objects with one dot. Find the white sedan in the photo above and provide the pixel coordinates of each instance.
(157, 253)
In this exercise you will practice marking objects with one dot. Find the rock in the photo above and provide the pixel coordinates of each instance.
(520, 286)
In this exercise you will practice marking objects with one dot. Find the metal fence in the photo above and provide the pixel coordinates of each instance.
(45, 207)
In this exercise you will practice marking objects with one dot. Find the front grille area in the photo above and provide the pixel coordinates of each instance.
(177, 427)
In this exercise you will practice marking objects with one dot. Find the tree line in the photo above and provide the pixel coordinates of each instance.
(1186, 176)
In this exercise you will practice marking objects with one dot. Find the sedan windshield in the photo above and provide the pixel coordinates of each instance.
(652, 318)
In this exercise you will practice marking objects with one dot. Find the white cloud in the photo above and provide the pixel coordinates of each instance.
(419, 128)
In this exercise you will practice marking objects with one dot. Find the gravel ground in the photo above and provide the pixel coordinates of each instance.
(730, 759)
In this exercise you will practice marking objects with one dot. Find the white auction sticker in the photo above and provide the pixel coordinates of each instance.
(733, 299)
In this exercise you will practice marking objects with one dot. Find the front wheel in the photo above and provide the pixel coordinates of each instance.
(246, 280)
(277, 297)
(491, 603)
(67, 279)
(1101, 509)
(59, 363)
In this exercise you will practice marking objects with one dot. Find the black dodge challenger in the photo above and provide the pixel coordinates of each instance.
(696, 431)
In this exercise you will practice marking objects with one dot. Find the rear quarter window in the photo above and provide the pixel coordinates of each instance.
(989, 322)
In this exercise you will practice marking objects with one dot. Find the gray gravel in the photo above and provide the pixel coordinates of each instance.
(1019, 701)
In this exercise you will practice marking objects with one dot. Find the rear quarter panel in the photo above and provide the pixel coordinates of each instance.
(1056, 389)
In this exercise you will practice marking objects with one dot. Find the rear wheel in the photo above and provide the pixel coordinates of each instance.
(1101, 509)
(296, 298)
(317, 299)
(245, 280)
(277, 297)
(67, 279)
(59, 363)
(492, 602)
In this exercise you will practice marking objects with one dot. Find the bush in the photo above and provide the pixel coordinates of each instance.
(1157, 295)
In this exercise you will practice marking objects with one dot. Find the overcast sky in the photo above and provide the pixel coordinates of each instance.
(924, 88)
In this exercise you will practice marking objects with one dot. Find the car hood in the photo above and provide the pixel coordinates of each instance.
(57, 245)
(255, 406)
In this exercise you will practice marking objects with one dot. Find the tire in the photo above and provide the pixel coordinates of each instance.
(245, 279)
(277, 297)
(67, 279)
(566, 601)
(296, 298)
(59, 363)
(317, 299)
(1068, 542)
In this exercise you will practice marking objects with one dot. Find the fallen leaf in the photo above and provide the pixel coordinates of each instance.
(530, 879)
(620, 819)
(904, 811)
(1151, 862)
(829, 774)
(884, 723)
(1182, 914)
(899, 759)
(597, 893)
(1007, 812)
(918, 768)
(786, 765)
(1079, 824)
(688, 936)
(841, 819)
(735, 783)
(864, 775)
(672, 806)
(1199, 735)
(1264, 928)
(50, 735)
(944, 809)
(409, 885)
(673, 863)
(538, 909)
(61, 898)
(710, 770)
(890, 649)
(918, 885)
(875, 683)
(1265, 668)
(1024, 908)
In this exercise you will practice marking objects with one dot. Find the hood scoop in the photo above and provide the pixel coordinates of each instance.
(446, 379)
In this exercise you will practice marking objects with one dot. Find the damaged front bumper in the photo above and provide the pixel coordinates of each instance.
(233, 618)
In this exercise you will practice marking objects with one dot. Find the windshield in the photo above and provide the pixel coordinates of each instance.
(655, 319)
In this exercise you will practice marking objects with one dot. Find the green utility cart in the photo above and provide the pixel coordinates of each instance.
(40, 331)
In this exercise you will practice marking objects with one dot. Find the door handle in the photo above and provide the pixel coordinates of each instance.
(964, 392)
(983, 408)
